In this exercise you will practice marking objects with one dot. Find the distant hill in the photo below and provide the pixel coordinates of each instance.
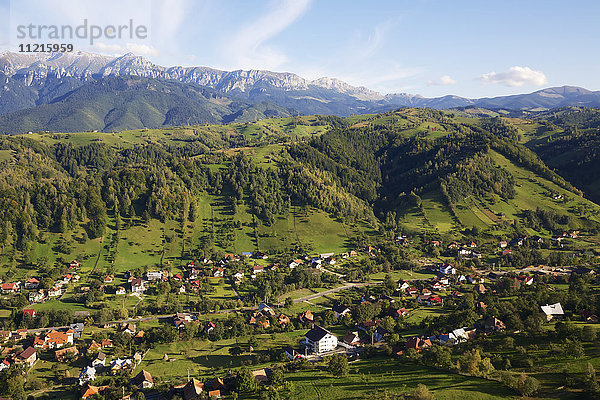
(45, 79)
(118, 103)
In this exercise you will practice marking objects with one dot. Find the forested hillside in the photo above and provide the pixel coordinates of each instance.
(411, 170)
(118, 103)
(571, 145)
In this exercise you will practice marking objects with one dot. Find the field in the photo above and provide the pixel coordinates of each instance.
(369, 377)
(277, 128)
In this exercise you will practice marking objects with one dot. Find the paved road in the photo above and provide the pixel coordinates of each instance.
(348, 285)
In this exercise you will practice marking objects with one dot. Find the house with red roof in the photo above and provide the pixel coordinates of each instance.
(12, 287)
(32, 283)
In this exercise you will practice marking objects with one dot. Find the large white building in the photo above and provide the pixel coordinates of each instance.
(553, 311)
(320, 340)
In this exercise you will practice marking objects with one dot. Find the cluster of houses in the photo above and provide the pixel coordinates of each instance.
(456, 336)
(319, 340)
(520, 241)
(213, 388)
(320, 260)
(262, 317)
(15, 352)
(37, 295)
(17, 355)
(143, 380)
(98, 362)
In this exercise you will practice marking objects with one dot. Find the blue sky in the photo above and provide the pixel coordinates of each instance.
(429, 47)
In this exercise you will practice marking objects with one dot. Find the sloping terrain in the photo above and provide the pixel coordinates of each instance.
(119, 103)
(316, 184)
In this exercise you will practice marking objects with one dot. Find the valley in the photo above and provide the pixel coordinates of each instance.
(170, 243)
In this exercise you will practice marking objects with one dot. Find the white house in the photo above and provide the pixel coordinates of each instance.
(154, 275)
(238, 276)
(320, 340)
(87, 374)
(99, 361)
(553, 311)
(119, 364)
(447, 269)
(340, 310)
(459, 335)
(34, 297)
(137, 285)
(218, 273)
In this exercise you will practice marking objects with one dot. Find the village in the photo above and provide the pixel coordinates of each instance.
(349, 318)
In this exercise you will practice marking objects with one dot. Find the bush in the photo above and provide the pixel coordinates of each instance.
(523, 384)
(422, 393)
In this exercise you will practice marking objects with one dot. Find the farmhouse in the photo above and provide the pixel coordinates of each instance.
(191, 390)
(494, 324)
(553, 311)
(5, 335)
(32, 283)
(283, 320)
(351, 338)
(400, 312)
(9, 287)
(143, 380)
(137, 285)
(154, 275)
(34, 297)
(87, 374)
(417, 343)
(77, 328)
(307, 317)
(100, 360)
(54, 339)
(447, 269)
(66, 353)
(291, 353)
(340, 310)
(28, 356)
(320, 340)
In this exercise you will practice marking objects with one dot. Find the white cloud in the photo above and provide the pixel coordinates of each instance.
(383, 77)
(248, 46)
(516, 76)
(118, 49)
(364, 49)
(168, 19)
(444, 80)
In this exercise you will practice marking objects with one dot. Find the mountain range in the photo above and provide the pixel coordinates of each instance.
(83, 91)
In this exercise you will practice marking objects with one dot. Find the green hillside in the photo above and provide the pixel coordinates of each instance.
(281, 185)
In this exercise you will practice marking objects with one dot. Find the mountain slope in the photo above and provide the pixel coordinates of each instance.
(117, 103)
(570, 144)
(49, 76)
